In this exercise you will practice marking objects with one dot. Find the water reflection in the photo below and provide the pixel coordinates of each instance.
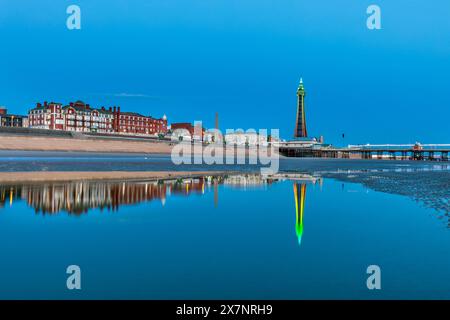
(7, 195)
(299, 197)
(299, 184)
(79, 197)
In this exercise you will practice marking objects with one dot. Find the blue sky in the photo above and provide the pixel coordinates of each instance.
(243, 59)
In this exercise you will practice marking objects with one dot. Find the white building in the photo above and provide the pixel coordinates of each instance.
(242, 138)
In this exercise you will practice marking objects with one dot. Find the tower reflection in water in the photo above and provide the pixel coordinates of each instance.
(300, 183)
(299, 197)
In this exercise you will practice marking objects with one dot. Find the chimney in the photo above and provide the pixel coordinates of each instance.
(45, 103)
(110, 109)
(38, 104)
(103, 108)
(71, 104)
(88, 107)
(114, 109)
(118, 109)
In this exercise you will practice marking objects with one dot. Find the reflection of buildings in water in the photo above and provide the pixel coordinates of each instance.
(78, 197)
(245, 180)
(299, 196)
(216, 194)
(186, 186)
(8, 194)
(299, 177)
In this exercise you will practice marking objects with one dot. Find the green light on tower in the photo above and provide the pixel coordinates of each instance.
(299, 196)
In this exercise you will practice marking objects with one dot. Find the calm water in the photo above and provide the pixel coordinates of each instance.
(309, 235)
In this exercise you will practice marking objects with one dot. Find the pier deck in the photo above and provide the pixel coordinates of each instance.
(429, 154)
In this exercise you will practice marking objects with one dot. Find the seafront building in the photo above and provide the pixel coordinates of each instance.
(12, 120)
(242, 138)
(187, 132)
(81, 117)
(47, 116)
(135, 123)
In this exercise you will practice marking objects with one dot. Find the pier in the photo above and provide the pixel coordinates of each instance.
(415, 152)
(305, 146)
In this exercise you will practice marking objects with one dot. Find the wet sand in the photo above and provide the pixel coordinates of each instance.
(63, 176)
(431, 188)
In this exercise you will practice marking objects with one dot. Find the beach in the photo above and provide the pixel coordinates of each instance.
(37, 143)
(104, 145)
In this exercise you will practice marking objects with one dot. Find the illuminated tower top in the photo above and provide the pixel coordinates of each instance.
(301, 88)
(300, 123)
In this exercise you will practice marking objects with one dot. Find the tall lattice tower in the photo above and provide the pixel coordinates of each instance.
(300, 123)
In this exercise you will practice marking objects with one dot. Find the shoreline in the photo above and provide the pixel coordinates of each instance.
(95, 145)
(68, 176)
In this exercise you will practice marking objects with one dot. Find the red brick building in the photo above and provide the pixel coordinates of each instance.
(135, 123)
(183, 128)
(81, 117)
(47, 116)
